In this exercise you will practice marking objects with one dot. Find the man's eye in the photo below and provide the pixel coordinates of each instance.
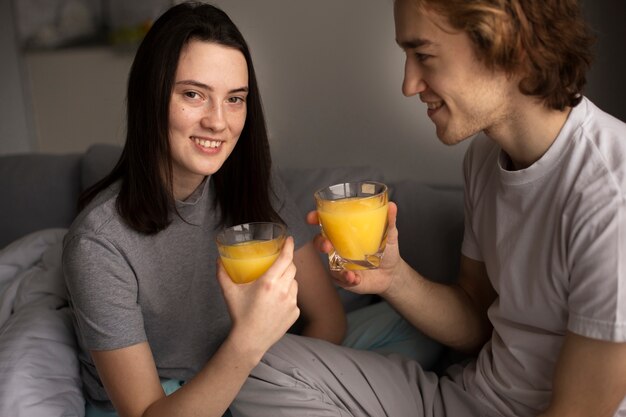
(421, 57)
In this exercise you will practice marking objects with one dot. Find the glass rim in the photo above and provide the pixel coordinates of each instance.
(221, 233)
(385, 188)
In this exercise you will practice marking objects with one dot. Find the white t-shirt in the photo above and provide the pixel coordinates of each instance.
(553, 239)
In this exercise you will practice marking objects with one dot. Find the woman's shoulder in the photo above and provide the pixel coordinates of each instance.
(99, 217)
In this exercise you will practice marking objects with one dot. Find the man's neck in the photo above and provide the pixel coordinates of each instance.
(528, 132)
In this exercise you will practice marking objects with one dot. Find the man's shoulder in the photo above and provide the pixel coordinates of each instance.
(599, 125)
(603, 143)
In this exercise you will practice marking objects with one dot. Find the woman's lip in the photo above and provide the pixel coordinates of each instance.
(206, 138)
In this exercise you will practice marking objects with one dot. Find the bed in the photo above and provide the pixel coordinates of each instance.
(38, 362)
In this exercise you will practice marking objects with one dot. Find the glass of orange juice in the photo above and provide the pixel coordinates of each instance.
(353, 216)
(248, 250)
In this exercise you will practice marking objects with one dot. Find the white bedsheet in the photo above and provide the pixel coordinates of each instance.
(39, 370)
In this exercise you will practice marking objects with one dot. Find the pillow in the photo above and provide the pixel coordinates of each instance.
(97, 162)
(430, 228)
(303, 182)
(38, 191)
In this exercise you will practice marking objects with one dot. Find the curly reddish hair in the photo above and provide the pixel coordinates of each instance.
(547, 41)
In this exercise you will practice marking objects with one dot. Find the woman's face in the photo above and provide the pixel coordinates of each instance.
(207, 111)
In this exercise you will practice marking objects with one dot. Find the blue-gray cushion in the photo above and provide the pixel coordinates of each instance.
(430, 227)
(39, 191)
(97, 162)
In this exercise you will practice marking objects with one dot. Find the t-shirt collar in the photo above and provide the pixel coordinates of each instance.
(196, 196)
(551, 158)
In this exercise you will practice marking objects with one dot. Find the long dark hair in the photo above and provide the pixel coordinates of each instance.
(242, 184)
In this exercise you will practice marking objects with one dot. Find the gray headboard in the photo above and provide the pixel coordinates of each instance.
(40, 190)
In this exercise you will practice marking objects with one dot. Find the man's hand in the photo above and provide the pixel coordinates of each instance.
(372, 281)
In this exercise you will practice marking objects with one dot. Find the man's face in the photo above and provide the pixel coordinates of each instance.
(463, 96)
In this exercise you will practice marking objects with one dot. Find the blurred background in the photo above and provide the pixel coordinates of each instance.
(329, 71)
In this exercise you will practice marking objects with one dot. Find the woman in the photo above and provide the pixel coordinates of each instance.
(140, 259)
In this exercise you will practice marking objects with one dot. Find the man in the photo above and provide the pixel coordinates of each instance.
(541, 293)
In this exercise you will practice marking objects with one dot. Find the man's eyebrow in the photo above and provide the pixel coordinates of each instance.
(414, 43)
(203, 86)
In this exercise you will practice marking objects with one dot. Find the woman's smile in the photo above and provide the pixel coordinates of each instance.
(207, 145)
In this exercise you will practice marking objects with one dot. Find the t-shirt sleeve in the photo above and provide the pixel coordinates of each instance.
(597, 292)
(288, 210)
(103, 292)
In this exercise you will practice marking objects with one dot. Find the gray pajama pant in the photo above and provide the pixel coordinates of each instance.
(301, 376)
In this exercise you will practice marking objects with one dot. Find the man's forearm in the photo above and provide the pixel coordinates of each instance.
(444, 312)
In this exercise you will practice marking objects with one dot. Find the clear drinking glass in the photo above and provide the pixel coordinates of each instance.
(353, 216)
(248, 250)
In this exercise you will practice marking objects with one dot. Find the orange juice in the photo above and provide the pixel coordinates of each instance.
(247, 261)
(355, 226)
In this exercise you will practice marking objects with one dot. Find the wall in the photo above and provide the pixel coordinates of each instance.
(16, 125)
(607, 87)
(330, 76)
(78, 97)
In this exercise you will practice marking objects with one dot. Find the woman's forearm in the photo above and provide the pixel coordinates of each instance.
(210, 391)
(331, 330)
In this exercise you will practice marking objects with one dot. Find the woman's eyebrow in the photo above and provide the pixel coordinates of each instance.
(203, 86)
(194, 83)
(239, 90)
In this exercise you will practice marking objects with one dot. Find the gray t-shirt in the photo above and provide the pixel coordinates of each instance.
(126, 287)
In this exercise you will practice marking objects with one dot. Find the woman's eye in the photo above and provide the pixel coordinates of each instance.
(191, 94)
(235, 100)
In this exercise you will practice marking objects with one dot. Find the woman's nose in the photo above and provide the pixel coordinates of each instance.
(213, 117)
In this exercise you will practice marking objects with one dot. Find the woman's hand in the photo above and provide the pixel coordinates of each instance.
(372, 281)
(263, 310)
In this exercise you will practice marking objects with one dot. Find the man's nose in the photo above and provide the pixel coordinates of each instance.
(413, 82)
